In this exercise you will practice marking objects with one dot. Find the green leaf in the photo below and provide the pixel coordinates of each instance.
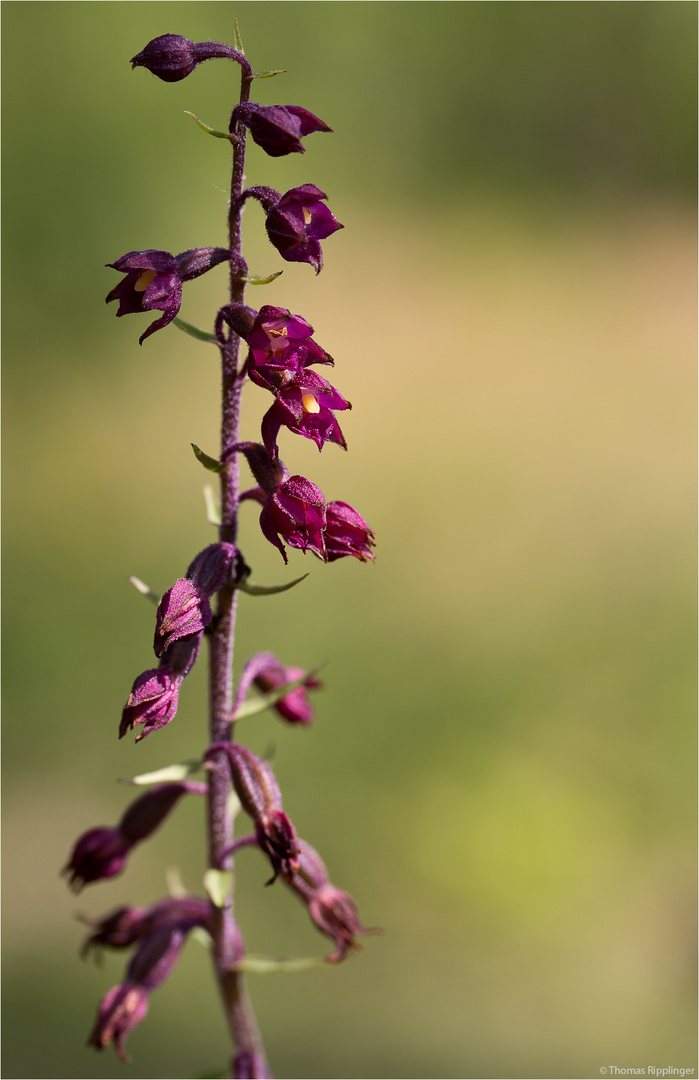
(263, 280)
(263, 965)
(169, 773)
(144, 589)
(268, 74)
(194, 331)
(210, 130)
(237, 40)
(199, 934)
(208, 462)
(267, 590)
(265, 701)
(218, 885)
(213, 513)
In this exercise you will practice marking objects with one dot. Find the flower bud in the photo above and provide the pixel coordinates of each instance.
(172, 57)
(217, 565)
(102, 853)
(152, 702)
(183, 612)
(98, 854)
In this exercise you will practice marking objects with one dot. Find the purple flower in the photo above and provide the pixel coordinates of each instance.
(333, 911)
(305, 405)
(278, 129)
(154, 279)
(347, 533)
(217, 565)
(122, 1009)
(152, 702)
(298, 223)
(268, 673)
(172, 57)
(295, 513)
(183, 612)
(98, 854)
(126, 1005)
(281, 345)
(256, 786)
(102, 853)
(127, 925)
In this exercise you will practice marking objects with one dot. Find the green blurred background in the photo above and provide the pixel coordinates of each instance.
(502, 767)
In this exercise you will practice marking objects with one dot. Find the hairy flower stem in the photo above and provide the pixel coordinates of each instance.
(226, 945)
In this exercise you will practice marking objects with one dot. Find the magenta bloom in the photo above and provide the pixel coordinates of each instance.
(154, 279)
(347, 533)
(278, 129)
(126, 1005)
(183, 612)
(102, 853)
(257, 788)
(281, 345)
(127, 925)
(295, 513)
(305, 405)
(333, 911)
(271, 674)
(152, 702)
(122, 1009)
(298, 223)
(98, 854)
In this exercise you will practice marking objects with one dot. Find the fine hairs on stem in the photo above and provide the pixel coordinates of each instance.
(281, 356)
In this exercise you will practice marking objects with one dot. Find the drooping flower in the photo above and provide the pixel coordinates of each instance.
(152, 702)
(97, 855)
(306, 406)
(183, 612)
(281, 345)
(153, 281)
(298, 223)
(126, 1005)
(257, 788)
(295, 513)
(347, 533)
(126, 925)
(103, 852)
(172, 57)
(278, 129)
(332, 910)
(267, 673)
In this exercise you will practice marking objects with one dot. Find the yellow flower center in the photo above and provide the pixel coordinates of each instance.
(307, 216)
(310, 403)
(143, 280)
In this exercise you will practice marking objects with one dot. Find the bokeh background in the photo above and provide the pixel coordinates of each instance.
(502, 767)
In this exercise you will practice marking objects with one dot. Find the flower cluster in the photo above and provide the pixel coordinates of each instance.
(282, 359)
